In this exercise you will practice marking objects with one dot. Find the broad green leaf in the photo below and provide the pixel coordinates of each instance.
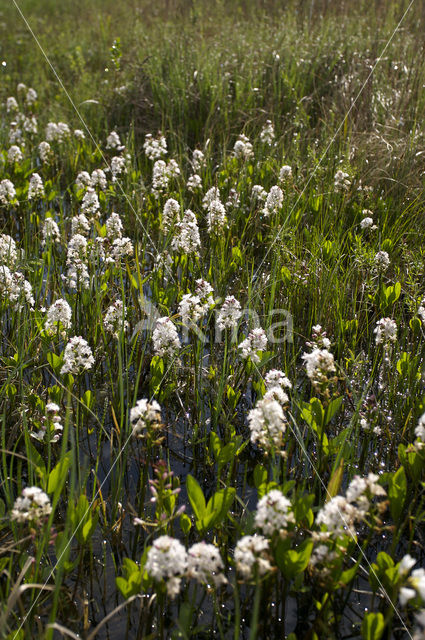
(196, 497)
(58, 474)
(373, 626)
(397, 493)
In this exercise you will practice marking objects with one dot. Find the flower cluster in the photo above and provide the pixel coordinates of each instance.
(33, 506)
(385, 331)
(255, 343)
(186, 239)
(274, 201)
(166, 342)
(273, 513)
(114, 321)
(167, 560)
(155, 147)
(77, 356)
(252, 556)
(229, 314)
(267, 424)
(145, 416)
(58, 317)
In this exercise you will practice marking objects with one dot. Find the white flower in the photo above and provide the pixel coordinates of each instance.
(204, 564)
(194, 182)
(319, 363)
(145, 415)
(170, 214)
(216, 217)
(15, 134)
(79, 134)
(420, 432)
(276, 378)
(51, 428)
(167, 560)
(382, 261)
(155, 148)
(254, 343)
(31, 96)
(406, 594)
(205, 293)
(187, 239)
(160, 177)
(80, 225)
(273, 513)
(285, 172)
(198, 160)
(274, 201)
(7, 192)
(14, 154)
(14, 287)
(118, 166)
(114, 226)
(267, 424)
(57, 132)
(366, 223)
(276, 393)
(36, 188)
(11, 105)
(258, 193)
(59, 313)
(121, 247)
(8, 253)
(341, 181)
(405, 564)
(113, 141)
(114, 321)
(361, 489)
(29, 124)
(251, 556)
(338, 515)
(211, 195)
(98, 179)
(165, 338)
(78, 356)
(267, 134)
(386, 331)
(83, 180)
(243, 148)
(415, 584)
(50, 231)
(229, 314)
(190, 309)
(45, 152)
(33, 506)
(90, 203)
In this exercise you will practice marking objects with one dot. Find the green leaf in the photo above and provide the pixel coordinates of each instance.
(397, 493)
(373, 626)
(54, 361)
(335, 481)
(185, 523)
(332, 408)
(217, 508)
(302, 510)
(58, 474)
(196, 497)
(260, 475)
(215, 444)
(36, 461)
(293, 561)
